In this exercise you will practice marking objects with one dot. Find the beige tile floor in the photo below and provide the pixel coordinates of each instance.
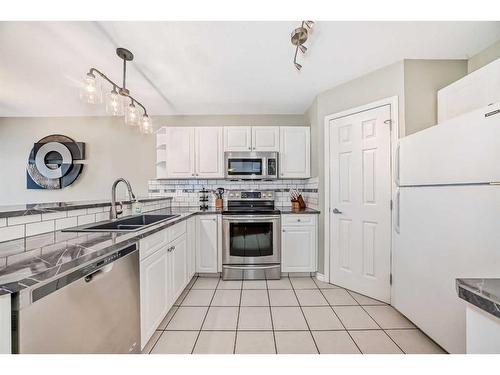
(296, 315)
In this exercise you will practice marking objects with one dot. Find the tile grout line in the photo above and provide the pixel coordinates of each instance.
(372, 318)
(238, 319)
(272, 321)
(304, 315)
(205, 317)
(175, 312)
(340, 320)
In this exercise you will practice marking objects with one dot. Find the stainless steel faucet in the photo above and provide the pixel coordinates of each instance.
(113, 214)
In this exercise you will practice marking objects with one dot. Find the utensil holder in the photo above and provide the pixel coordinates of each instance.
(295, 205)
(219, 203)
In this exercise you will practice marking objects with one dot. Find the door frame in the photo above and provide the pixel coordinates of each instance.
(393, 103)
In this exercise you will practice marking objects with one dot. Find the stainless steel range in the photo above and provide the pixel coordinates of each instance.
(251, 227)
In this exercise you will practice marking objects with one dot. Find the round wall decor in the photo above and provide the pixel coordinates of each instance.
(51, 162)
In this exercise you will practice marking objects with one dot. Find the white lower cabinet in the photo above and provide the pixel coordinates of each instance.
(155, 298)
(166, 268)
(299, 243)
(206, 244)
(177, 268)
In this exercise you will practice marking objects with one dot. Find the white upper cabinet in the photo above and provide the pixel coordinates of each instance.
(295, 149)
(208, 153)
(237, 138)
(194, 152)
(265, 138)
(251, 138)
(476, 90)
(180, 152)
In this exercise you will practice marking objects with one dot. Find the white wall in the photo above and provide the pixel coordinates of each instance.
(112, 150)
(484, 57)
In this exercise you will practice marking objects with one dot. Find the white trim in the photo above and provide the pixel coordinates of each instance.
(321, 277)
(393, 102)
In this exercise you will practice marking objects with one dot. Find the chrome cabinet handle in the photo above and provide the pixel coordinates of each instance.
(298, 220)
(249, 148)
(336, 211)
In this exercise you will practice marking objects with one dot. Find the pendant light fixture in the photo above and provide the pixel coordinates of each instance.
(118, 100)
(298, 38)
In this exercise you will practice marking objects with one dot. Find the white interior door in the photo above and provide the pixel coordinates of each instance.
(360, 197)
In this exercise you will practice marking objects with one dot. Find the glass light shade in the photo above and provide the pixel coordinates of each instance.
(114, 103)
(132, 115)
(90, 92)
(146, 125)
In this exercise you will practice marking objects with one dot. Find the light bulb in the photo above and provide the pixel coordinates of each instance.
(146, 125)
(89, 92)
(131, 115)
(114, 103)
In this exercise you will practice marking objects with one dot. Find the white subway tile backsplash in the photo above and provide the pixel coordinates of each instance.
(102, 216)
(54, 215)
(12, 232)
(16, 220)
(95, 210)
(86, 219)
(66, 223)
(41, 227)
(3, 222)
(79, 212)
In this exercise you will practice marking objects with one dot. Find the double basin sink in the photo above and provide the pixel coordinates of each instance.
(126, 224)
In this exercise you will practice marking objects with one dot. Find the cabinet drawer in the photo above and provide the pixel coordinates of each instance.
(176, 231)
(294, 219)
(152, 243)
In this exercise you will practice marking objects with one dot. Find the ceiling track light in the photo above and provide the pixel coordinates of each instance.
(298, 38)
(117, 96)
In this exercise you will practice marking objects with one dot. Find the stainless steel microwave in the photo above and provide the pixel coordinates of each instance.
(251, 165)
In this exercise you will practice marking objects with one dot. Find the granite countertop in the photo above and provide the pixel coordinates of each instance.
(290, 210)
(39, 258)
(37, 208)
(27, 261)
(483, 293)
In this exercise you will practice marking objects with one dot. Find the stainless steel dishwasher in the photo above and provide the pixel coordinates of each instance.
(94, 309)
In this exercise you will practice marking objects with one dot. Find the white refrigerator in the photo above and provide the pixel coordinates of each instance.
(446, 220)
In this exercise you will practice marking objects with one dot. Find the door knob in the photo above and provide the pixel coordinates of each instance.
(336, 211)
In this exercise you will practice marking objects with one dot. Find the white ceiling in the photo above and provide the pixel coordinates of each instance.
(211, 67)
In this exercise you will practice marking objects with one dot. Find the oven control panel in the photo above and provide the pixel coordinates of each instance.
(265, 195)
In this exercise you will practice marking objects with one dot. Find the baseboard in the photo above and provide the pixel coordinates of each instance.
(321, 277)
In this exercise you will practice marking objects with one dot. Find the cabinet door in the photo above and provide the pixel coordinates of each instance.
(178, 267)
(237, 138)
(209, 154)
(298, 246)
(294, 157)
(191, 246)
(206, 244)
(265, 138)
(154, 293)
(180, 161)
(477, 89)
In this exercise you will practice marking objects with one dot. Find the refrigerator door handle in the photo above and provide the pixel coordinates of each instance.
(396, 166)
(397, 213)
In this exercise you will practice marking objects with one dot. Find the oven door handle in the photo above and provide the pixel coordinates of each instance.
(250, 218)
(251, 266)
